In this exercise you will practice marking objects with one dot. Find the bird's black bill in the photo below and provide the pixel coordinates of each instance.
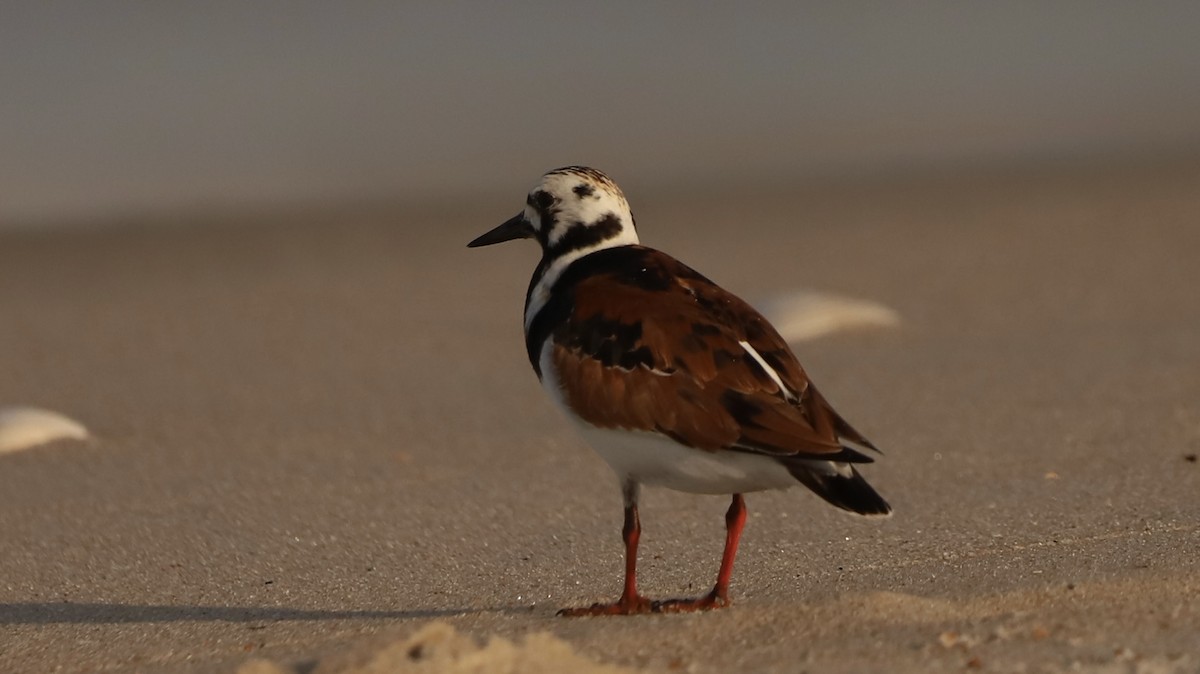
(513, 228)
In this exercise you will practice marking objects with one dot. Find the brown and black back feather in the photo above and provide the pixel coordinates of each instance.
(643, 342)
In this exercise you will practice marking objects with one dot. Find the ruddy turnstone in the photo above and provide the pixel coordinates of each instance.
(673, 380)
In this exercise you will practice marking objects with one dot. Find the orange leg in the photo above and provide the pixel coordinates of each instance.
(735, 519)
(630, 602)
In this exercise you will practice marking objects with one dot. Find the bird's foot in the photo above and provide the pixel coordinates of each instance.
(712, 600)
(623, 606)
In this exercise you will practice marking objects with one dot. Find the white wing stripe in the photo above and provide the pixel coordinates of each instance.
(787, 393)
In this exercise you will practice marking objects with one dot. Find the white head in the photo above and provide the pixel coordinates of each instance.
(572, 211)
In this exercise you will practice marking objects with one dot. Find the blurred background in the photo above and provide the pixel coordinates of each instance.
(120, 108)
(232, 247)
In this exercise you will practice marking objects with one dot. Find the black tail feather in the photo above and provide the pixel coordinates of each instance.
(841, 485)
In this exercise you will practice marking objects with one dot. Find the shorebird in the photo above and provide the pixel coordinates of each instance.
(672, 379)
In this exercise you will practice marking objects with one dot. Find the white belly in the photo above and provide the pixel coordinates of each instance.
(654, 459)
(650, 458)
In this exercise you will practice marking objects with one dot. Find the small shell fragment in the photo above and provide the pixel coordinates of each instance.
(25, 427)
(801, 315)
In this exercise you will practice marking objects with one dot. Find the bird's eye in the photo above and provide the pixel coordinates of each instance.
(543, 200)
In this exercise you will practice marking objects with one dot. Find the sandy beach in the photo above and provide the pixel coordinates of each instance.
(316, 433)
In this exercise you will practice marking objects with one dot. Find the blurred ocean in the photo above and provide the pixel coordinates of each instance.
(119, 108)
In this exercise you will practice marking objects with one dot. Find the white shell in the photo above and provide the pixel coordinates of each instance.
(807, 314)
(25, 427)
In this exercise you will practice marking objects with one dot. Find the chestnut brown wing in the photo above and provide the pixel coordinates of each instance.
(660, 348)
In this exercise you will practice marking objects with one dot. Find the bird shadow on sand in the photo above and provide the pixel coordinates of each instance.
(51, 613)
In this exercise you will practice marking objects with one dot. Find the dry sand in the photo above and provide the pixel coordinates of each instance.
(316, 436)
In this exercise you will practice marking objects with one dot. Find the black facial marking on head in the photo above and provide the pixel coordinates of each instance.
(543, 203)
(582, 235)
(584, 190)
